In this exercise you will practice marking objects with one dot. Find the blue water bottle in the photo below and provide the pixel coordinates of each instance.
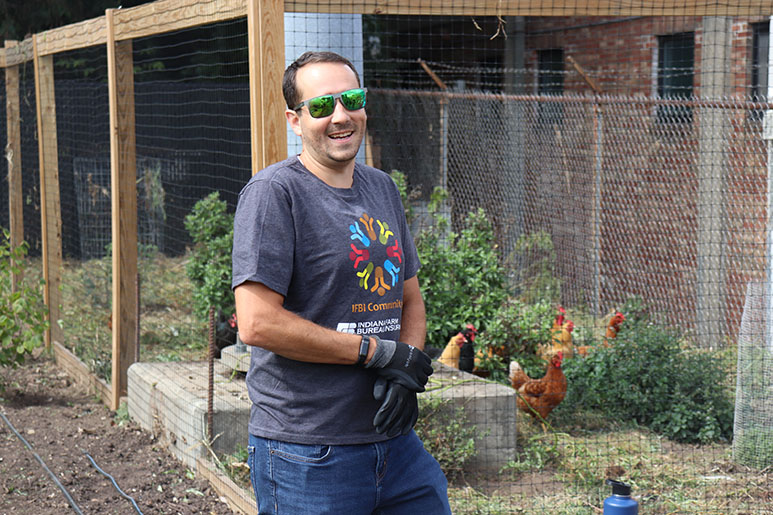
(620, 502)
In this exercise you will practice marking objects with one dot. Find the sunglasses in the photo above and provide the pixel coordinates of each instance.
(320, 107)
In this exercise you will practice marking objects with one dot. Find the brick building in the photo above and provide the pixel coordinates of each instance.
(683, 186)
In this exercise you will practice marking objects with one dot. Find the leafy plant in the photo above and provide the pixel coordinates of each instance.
(446, 434)
(209, 268)
(22, 309)
(646, 376)
(462, 279)
(121, 416)
(515, 332)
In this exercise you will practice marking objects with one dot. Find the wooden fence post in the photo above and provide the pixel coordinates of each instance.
(123, 178)
(13, 157)
(50, 209)
(265, 26)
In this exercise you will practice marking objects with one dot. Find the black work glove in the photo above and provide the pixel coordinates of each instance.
(399, 409)
(401, 363)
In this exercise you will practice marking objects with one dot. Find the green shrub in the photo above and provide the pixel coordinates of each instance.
(646, 376)
(515, 332)
(209, 268)
(446, 434)
(461, 278)
(22, 310)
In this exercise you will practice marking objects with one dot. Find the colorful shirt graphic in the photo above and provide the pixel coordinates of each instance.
(377, 277)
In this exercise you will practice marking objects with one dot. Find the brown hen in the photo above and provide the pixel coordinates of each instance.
(538, 397)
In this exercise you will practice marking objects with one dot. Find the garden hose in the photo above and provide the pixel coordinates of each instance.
(42, 463)
(112, 480)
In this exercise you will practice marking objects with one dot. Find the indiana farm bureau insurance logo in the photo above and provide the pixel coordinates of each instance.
(370, 326)
(366, 234)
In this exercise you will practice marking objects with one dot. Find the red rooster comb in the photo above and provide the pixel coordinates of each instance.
(560, 315)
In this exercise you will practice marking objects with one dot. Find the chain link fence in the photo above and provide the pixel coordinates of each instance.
(635, 205)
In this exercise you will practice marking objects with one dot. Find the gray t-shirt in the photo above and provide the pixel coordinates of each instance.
(340, 258)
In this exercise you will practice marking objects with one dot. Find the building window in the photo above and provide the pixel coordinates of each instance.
(760, 49)
(550, 81)
(676, 67)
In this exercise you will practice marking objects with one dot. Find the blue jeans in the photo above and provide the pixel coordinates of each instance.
(395, 477)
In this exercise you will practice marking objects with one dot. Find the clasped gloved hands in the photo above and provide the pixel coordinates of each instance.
(403, 371)
(399, 409)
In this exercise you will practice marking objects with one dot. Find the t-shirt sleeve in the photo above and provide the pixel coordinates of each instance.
(264, 238)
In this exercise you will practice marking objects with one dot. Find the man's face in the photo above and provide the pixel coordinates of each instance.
(334, 140)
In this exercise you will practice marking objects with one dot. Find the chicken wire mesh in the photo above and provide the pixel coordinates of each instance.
(29, 158)
(636, 144)
(82, 130)
(618, 191)
(752, 438)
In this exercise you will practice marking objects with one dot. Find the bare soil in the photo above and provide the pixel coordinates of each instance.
(63, 423)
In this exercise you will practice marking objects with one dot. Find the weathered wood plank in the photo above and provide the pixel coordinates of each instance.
(535, 7)
(239, 501)
(169, 15)
(273, 57)
(81, 374)
(71, 37)
(123, 179)
(50, 209)
(20, 53)
(254, 48)
(265, 26)
(13, 158)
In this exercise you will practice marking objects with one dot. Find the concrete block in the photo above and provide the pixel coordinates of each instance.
(489, 406)
(236, 357)
(170, 400)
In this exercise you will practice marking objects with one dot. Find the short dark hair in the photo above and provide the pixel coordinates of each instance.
(289, 89)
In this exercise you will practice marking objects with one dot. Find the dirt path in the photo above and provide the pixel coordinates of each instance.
(62, 422)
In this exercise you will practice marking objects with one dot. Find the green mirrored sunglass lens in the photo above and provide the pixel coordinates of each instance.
(353, 99)
(321, 106)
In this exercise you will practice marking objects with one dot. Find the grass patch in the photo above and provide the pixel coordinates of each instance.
(563, 472)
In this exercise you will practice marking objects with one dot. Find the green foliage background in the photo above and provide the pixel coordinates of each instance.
(209, 268)
(461, 277)
(651, 377)
(22, 311)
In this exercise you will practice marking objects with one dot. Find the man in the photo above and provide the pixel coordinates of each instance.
(324, 276)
